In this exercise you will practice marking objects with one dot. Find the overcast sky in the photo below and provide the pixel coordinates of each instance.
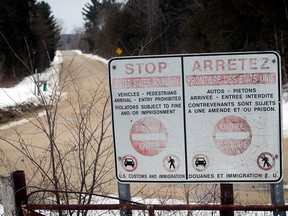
(68, 13)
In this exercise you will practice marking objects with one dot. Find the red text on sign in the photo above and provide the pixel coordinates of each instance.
(233, 64)
(145, 68)
(231, 79)
(147, 82)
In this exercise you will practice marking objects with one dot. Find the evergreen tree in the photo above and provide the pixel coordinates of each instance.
(14, 37)
(174, 12)
(188, 26)
(28, 37)
(100, 18)
(45, 35)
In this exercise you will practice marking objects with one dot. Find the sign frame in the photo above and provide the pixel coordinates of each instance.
(139, 83)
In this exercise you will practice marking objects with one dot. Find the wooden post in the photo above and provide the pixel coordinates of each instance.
(13, 188)
(19, 190)
(8, 198)
(227, 198)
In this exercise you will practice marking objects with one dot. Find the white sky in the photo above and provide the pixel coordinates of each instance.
(68, 13)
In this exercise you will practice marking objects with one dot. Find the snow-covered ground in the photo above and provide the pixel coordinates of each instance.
(26, 92)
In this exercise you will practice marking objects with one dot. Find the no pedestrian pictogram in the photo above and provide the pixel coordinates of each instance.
(266, 161)
(171, 163)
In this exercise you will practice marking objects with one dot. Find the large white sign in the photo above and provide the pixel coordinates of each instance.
(197, 118)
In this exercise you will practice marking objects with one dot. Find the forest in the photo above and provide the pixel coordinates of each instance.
(29, 33)
(146, 27)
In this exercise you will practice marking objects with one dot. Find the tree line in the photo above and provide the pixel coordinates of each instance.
(142, 27)
(29, 35)
(29, 32)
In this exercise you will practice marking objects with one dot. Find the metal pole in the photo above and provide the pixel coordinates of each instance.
(277, 197)
(227, 198)
(124, 198)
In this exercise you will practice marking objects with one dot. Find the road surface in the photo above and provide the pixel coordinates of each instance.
(75, 131)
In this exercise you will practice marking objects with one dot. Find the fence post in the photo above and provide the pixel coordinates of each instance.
(8, 199)
(13, 188)
(227, 198)
(19, 190)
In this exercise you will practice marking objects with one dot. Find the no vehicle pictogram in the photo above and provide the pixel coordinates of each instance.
(129, 163)
(200, 162)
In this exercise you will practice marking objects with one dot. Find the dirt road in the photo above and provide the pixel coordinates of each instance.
(77, 119)
(61, 131)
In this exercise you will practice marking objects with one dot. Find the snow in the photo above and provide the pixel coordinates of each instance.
(90, 56)
(26, 92)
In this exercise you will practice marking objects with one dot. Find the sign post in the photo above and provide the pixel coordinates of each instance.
(197, 118)
(124, 197)
(227, 198)
(277, 197)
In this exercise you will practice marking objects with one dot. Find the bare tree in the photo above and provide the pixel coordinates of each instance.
(73, 159)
